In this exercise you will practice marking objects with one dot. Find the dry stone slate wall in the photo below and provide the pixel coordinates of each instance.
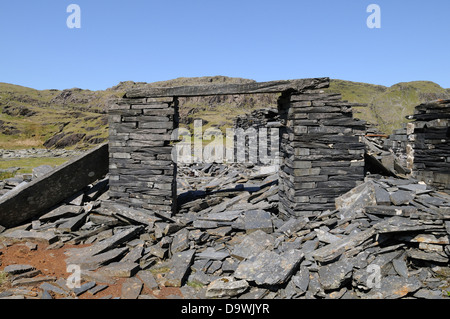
(428, 150)
(321, 150)
(142, 173)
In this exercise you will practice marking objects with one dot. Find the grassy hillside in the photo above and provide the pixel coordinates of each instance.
(75, 118)
(388, 106)
(29, 118)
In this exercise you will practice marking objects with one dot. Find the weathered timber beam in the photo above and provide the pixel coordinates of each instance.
(230, 89)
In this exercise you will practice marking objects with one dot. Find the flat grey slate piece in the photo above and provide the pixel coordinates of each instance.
(94, 262)
(148, 279)
(292, 226)
(382, 196)
(257, 220)
(97, 289)
(84, 287)
(211, 254)
(32, 281)
(106, 244)
(53, 188)
(17, 269)
(334, 250)
(181, 262)
(427, 256)
(394, 287)
(253, 244)
(49, 287)
(120, 269)
(61, 212)
(73, 223)
(226, 287)
(401, 267)
(131, 288)
(333, 276)
(401, 197)
(226, 216)
(301, 279)
(269, 268)
(48, 236)
(140, 216)
(180, 241)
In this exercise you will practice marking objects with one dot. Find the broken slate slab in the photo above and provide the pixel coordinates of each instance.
(394, 287)
(73, 223)
(226, 216)
(382, 196)
(106, 244)
(292, 226)
(139, 216)
(148, 279)
(226, 287)
(47, 236)
(94, 262)
(401, 267)
(428, 294)
(83, 288)
(400, 224)
(401, 197)
(17, 269)
(211, 254)
(427, 256)
(180, 241)
(358, 197)
(181, 262)
(334, 275)
(301, 279)
(32, 281)
(134, 255)
(49, 287)
(430, 239)
(63, 211)
(326, 237)
(269, 268)
(257, 220)
(253, 244)
(131, 288)
(97, 289)
(334, 250)
(120, 269)
(381, 210)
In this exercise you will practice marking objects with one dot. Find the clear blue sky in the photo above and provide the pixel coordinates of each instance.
(146, 40)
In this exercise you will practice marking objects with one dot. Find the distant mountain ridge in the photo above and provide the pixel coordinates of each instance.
(76, 118)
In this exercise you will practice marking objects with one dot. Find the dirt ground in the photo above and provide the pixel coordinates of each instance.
(52, 263)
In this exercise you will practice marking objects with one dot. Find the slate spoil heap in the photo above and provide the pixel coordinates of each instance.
(388, 238)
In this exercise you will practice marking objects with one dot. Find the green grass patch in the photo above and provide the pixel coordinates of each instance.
(160, 270)
(26, 165)
(195, 284)
(3, 277)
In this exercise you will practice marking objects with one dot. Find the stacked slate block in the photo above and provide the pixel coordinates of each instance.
(266, 123)
(322, 151)
(142, 172)
(397, 141)
(429, 148)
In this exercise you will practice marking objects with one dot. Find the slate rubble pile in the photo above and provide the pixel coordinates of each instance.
(388, 238)
(386, 155)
